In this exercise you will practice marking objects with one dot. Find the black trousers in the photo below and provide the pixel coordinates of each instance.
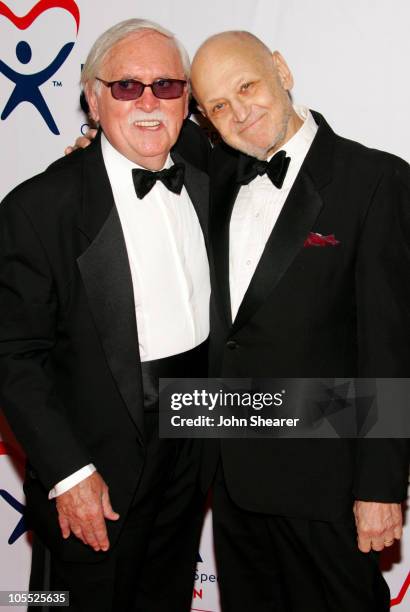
(151, 567)
(275, 564)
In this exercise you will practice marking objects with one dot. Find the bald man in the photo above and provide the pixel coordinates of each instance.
(297, 523)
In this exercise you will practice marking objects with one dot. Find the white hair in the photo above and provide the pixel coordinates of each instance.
(116, 34)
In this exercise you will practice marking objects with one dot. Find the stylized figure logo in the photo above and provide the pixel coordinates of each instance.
(27, 85)
(21, 526)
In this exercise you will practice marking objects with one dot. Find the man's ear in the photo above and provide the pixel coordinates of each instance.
(186, 104)
(92, 100)
(283, 70)
(201, 110)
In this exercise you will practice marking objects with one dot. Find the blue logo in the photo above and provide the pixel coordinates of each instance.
(27, 85)
(21, 527)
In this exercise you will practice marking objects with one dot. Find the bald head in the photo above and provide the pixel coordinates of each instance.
(243, 89)
(234, 41)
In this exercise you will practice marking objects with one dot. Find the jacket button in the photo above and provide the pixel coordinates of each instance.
(232, 344)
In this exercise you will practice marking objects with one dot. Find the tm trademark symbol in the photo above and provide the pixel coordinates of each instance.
(57, 84)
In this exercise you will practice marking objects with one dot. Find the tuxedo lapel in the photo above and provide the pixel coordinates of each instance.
(197, 185)
(107, 279)
(224, 191)
(298, 215)
(296, 219)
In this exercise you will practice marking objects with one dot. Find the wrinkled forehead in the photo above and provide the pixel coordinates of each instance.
(143, 52)
(222, 67)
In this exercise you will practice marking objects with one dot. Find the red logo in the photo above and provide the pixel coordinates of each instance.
(22, 23)
(402, 593)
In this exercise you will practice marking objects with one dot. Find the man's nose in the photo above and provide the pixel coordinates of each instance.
(147, 101)
(240, 110)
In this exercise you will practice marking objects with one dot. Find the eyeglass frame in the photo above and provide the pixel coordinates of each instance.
(111, 83)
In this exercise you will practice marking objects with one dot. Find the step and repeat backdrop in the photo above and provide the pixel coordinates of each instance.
(350, 62)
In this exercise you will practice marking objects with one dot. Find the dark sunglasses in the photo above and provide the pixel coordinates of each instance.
(130, 89)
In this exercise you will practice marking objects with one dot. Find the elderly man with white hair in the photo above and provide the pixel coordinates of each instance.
(104, 286)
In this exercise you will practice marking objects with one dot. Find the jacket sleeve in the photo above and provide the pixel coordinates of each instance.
(383, 319)
(28, 331)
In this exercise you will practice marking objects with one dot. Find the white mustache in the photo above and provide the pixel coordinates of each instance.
(138, 115)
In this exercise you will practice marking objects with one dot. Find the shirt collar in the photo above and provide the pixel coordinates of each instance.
(301, 141)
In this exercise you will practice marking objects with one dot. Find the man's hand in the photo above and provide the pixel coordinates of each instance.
(82, 510)
(82, 141)
(378, 524)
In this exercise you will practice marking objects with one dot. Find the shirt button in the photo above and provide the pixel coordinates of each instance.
(249, 261)
(257, 214)
(232, 345)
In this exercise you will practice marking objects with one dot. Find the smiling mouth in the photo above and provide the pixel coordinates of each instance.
(251, 124)
(151, 124)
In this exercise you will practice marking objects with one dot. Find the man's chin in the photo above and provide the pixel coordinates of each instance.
(252, 150)
(153, 149)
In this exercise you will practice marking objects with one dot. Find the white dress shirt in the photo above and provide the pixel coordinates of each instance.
(168, 261)
(169, 270)
(257, 209)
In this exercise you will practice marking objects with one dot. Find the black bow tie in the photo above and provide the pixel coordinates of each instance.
(144, 180)
(250, 167)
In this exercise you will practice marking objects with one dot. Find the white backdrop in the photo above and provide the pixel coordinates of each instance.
(350, 62)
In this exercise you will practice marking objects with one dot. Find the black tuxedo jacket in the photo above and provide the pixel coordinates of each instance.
(70, 373)
(339, 311)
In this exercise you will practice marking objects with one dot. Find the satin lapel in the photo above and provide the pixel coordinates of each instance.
(107, 279)
(197, 185)
(296, 219)
(97, 200)
(224, 191)
(293, 225)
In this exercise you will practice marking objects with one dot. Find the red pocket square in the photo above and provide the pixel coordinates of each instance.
(318, 240)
